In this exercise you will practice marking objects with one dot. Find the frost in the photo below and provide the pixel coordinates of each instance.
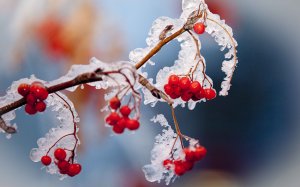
(223, 35)
(113, 80)
(186, 57)
(62, 136)
(161, 151)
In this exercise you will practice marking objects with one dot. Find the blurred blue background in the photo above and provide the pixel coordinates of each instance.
(252, 135)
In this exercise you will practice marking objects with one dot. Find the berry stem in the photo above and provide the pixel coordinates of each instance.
(96, 75)
(177, 126)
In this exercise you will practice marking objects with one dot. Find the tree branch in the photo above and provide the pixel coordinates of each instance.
(92, 77)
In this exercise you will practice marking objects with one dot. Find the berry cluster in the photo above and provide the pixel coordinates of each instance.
(181, 166)
(186, 89)
(119, 117)
(64, 166)
(35, 94)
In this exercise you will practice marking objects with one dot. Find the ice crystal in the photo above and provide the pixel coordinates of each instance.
(61, 136)
(156, 172)
(187, 58)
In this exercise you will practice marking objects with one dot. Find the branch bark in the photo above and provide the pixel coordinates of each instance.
(92, 77)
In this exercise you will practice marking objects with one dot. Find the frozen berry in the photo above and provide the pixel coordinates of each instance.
(40, 106)
(46, 160)
(60, 154)
(188, 165)
(179, 168)
(195, 87)
(39, 90)
(168, 89)
(24, 89)
(167, 163)
(122, 122)
(189, 155)
(112, 119)
(132, 124)
(177, 91)
(173, 80)
(118, 130)
(74, 169)
(115, 103)
(200, 153)
(200, 95)
(30, 109)
(210, 93)
(125, 111)
(199, 28)
(31, 99)
(63, 166)
(184, 83)
(187, 95)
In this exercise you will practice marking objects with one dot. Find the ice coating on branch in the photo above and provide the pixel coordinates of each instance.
(156, 172)
(75, 70)
(61, 136)
(223, 35)
(161, 151)
(186, 59)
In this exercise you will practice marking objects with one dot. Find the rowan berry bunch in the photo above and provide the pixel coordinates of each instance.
(191, 156)
(186, 89)
(35, 95)
(184, 81)
(65, 166)
(119, 118)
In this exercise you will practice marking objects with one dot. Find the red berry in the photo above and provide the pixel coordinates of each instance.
(189, 155)
(174, 96)
(74, 169)
(177, 91)
(132, 124)
(168, 89)
(194, 98)
(122, 123)
(195, 87)
(30, 109)
(63, 172)
(199, 28)
(200, 95)
(39, 90)
(179, 168)
(167, 163)
(200, 153)
(24, 89)
(187, 95)
(184, 83)
(173, 80)
(31, 99)
(210, 93)
(46, 160)
(40, 106)
(63, 166)
(60, 154)
(188, 165)
(115, 103)
(125, 111)
(112, 119)
(118, 130)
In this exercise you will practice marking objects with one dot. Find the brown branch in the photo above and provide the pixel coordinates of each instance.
(154, 91)
(92, 77)
(158, 47)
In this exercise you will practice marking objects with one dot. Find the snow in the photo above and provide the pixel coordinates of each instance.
(155, 172)
(64, 127)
